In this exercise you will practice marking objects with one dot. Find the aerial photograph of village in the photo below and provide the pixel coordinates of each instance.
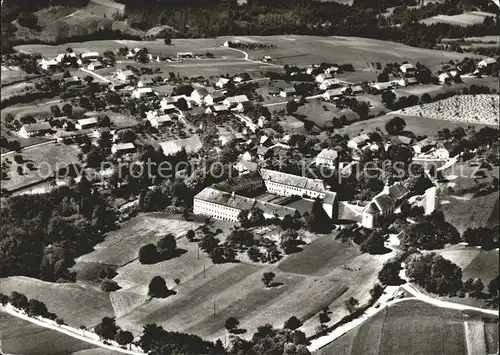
(249, 177)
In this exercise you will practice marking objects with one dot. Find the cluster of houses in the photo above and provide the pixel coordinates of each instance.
(93, 61)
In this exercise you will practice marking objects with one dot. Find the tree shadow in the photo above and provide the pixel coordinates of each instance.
(238, 331)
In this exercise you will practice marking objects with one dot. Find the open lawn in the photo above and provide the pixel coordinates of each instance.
(319, 257)
(417, 125)
(20, 337)
(465, 19)
(409, 327)
(46, 158)
(122, 246)
(476, 212)
(76, 304)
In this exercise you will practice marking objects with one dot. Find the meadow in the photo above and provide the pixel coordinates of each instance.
(76, 304)
(409, 327)
(465, 19)
(45, 159)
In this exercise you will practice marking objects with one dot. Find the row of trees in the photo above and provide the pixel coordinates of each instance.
(32, 307)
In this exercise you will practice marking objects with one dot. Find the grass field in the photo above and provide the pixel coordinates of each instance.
(18, 336)
(465, 19)
(121, 246)
(76, 304)
(319, 257)
(476, 212)
(45, 159)
(410, 327)
(417, 125)
(484, 265)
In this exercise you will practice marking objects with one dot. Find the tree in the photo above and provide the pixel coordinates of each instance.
(374, 243)
(267, 278)
(158, 288)
(167, 39)
(292, 323)
(109, 285)
(376, 291)
(493, 286)
(383, 77)
(324, 318)
(67, 109)
(124, 337)
(190, 235)
(291, 107)
(388, 98)
(389, 274)
(395, 126)
(55, 110)
(37, 308)
(107, 329)
(477, 287)
(18, 300)
(318, 220)
(231, 324)
(88, 79)
(29, 20)
(148, 254)
(167, 245)
(351, 304)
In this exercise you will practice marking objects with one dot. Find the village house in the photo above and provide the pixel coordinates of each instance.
(191, 145)
(407, 82)
(358, 142)
(141, 93)
(222, 82)
(145, 82)
(488, 65)
(288, 92)
(159, 121)
(352, 90)
(86, 123)
(236, 103)
(444, 78)
(243, 166)
(327, 157)
(407, 69)
(64, 56)
(95, 65)
(72, 80)
(50, 64)
(423, 146)
(333, 69)
(329, 95)
(89, 56)
(198, 95)
(185, 55)
(320, 78)
(123, 148)
(231, 43)
(292, 125)
(330, 84)
(382, 86)
(34, 129)
(214, 98)
(98, 131)
(125, 75)
(381, 206)
(216, 109)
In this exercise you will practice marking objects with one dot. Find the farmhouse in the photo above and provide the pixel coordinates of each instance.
(159, 121)
(292, 125)
(123, 148)
(407, 69)
(231, 43)
(72, 80)
(95, 65)
(191, 145)
(61, 57)
(222, 82)
(488, 65)
(86, 123)
(145, 82)
(382, 86)
(199, 94)
(214, 98)
(320, 78)
(34, 129)
(48, 64)
(330, 83)
(89, 56)
(358, 141)
(381, 206)
(288, 92)
(326, 157)
(125, 75)
(444, 78)
(407, 81)
(328, 95)
(352, 90)
(140, 93)
(216, 109)
(235, 102)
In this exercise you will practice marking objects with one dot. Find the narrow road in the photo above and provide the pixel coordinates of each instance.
(28, 148)
(75, 333)
(245, 54)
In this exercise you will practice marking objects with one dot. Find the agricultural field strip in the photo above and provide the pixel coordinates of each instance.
(475, 337)
(72, 332)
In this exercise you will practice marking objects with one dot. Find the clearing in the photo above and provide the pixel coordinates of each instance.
(465, 19)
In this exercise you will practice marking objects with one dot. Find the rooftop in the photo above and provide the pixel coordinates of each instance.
(293, 180)
(36, 127)
(191, 144)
